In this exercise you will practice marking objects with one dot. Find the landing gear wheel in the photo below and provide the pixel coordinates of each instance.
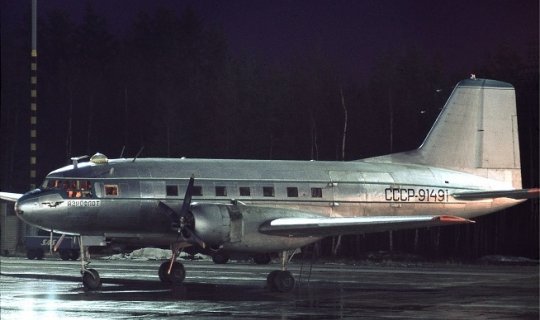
(263, 258)
(162, 272)
(177, 276)
(270, 279)
(281, 281)
(284, 281)
(178, 273)
(220, 258)
(91, 279)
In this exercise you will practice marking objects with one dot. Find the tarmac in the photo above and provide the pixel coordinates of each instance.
(52, 289)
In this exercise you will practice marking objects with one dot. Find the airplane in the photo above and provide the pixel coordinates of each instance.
(467, 166)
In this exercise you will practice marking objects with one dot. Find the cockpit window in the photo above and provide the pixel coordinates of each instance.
(111, 190)
(73, 188)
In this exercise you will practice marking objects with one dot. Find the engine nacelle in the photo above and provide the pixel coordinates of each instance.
(212, 223)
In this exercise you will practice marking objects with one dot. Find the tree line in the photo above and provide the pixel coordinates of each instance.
(172, 86)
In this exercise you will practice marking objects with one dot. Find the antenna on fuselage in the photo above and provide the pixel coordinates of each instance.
(138, 154)
(122, 152)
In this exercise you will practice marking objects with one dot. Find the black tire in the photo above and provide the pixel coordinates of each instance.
(284, 281)
(91, 280)
(263, 258)
(177, 276)
(178, 273)
(220, 258)
(270, 280)
(162, 272)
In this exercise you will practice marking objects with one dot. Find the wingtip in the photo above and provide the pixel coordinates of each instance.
(8, 196)
(453, 219)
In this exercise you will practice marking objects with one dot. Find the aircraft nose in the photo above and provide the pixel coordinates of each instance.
(25, 208)
(18, 209)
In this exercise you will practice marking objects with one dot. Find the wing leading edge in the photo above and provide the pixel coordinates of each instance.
(317, 227)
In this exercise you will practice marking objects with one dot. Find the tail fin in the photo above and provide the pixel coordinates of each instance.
(476, 132)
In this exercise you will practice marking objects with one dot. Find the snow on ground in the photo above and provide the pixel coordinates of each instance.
(500, 259)
(146, 254)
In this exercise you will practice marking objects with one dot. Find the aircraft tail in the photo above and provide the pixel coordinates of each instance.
(476, 132)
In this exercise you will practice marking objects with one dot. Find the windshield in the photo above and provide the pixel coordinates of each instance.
(73, 188)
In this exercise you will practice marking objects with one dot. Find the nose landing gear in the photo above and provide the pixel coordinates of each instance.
(90, 277)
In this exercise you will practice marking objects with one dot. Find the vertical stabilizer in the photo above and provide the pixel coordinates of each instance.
(476, 132)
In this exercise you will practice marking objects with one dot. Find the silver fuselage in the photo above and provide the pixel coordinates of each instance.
(280, 188)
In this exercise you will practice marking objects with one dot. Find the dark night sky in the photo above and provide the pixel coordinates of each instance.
(265, 118)
(349, 34)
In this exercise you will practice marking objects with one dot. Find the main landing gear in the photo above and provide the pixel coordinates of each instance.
(281, 280)
(172, 271)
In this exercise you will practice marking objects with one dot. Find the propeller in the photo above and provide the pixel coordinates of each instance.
(184, 222)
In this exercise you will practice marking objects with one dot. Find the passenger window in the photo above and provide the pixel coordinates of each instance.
(316, 192)
(111, 190)
(172, 191)
(221, 191)
(197, 191)
(268, 191)
(245, 191)
(292, 192)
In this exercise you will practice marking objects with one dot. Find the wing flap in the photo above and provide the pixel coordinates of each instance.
(321, 227)
(517, 194)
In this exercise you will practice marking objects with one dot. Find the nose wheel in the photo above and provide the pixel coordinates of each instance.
(91, 280)
(90, 277)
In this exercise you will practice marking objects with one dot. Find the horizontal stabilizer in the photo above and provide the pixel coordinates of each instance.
(10, 196)
(512, 194)
(321, 227)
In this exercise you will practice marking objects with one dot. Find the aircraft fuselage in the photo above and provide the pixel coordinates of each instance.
(120, 199)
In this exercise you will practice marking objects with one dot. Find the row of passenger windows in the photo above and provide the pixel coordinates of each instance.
(83, 189)
(221, 191)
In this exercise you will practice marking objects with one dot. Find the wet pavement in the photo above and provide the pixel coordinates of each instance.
(51, 289)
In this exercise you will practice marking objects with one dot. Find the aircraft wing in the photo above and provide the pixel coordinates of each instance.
(305, 227)
(10, 196)
(512, 194)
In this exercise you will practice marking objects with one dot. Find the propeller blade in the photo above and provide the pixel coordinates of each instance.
(175, 219)
(195, 237)
(183, 221)
(187, 197)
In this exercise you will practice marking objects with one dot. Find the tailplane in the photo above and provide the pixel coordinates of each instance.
(476, 132)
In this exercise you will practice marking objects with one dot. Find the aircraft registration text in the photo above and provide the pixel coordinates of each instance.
(421, 195)
(84, 203)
